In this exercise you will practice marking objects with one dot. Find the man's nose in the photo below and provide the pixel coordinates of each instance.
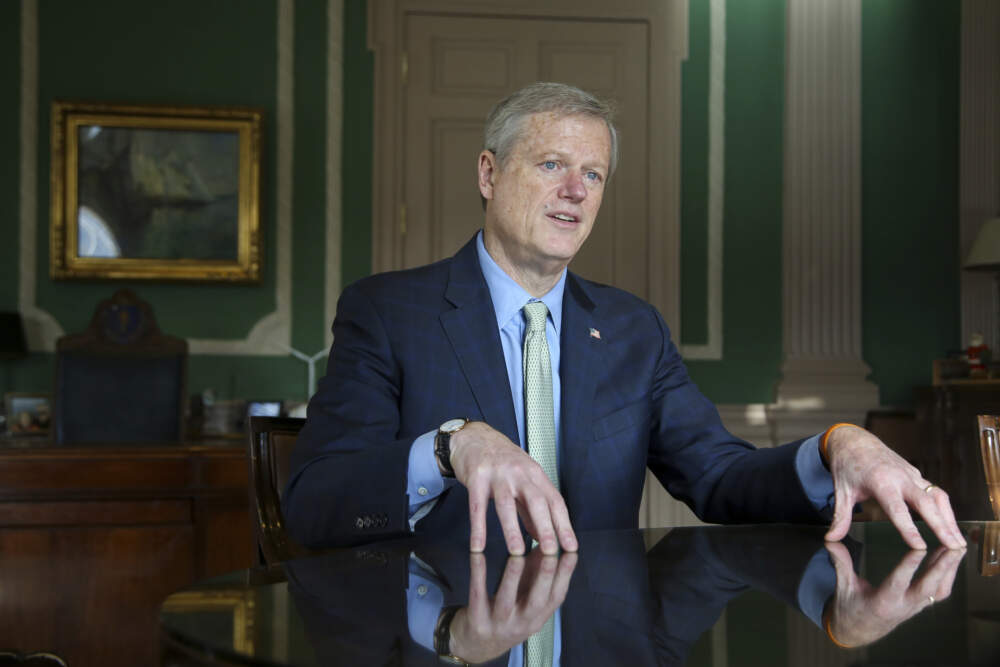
(573, 187)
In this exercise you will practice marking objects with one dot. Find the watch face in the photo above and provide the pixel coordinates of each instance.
(452, 425)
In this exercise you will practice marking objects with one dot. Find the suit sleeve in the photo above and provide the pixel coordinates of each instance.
(722, 478)
(348, 470)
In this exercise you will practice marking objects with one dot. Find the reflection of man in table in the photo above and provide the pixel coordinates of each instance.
(571, 388)
(618, 603)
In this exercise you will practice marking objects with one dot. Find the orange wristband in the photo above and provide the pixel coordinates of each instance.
(826, 435)
(826, 626)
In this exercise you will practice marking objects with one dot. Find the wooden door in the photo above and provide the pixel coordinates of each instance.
(459, 67)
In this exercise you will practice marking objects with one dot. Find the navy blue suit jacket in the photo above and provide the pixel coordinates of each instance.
(415, 348)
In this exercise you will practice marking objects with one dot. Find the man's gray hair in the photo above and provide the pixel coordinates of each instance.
(503, 124)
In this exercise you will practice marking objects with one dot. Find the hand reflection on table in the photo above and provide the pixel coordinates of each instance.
(531, 589)
(624, 598)
(860, 613)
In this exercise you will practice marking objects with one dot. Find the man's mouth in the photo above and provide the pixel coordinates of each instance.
(563, 217)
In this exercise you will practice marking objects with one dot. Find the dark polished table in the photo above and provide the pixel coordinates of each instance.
(707, 596)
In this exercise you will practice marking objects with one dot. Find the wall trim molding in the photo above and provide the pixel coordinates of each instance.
(40, 327)
(334, 152)
(272, 334)
(712, 349)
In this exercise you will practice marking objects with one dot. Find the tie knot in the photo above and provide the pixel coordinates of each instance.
(536, 312)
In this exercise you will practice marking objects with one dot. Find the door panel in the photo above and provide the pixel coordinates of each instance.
(458, 67)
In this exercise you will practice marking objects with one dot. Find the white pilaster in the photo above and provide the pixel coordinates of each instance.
(824, 376)
(979, 162)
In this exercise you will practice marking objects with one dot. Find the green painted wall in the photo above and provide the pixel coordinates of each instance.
(359, 89)
(754, 89)
(910, 152)
(910, 134)
(10, 149)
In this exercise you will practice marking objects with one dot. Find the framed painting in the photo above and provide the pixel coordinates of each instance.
(157, 193)
(27, 414)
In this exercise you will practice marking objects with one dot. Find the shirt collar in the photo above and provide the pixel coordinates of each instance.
(509, 297)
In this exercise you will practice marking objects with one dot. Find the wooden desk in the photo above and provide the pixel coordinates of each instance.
(93, 538)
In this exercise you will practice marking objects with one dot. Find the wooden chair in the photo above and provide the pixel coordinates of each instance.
(271, 440)
(121, 380)
(989, 445)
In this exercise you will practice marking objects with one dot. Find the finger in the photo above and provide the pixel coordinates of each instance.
(540, 591)
(506, 598)
(843, 506)
(948, 517)
(939, 576)
(564, 574)
(895, 507)
(478, 500)
(901, 577)
(477, 587)
(563, 526)
(506, 508)
(930, 509)
(843, 566)
(949, 564)
(540, 525)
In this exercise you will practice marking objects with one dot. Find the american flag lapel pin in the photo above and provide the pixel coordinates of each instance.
(594, 333)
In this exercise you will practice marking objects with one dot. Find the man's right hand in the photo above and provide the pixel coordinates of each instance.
(491, 466)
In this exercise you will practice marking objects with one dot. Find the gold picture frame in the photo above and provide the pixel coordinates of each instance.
(155, 193)
(235, 606)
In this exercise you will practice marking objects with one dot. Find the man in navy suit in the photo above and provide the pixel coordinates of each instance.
(419, 424)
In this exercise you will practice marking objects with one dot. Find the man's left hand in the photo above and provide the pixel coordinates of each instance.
(863, 468)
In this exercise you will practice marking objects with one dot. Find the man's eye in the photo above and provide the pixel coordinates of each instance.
(549, 164)
(593, 176)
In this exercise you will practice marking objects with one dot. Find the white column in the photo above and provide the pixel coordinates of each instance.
(824, 376)
(979, 164)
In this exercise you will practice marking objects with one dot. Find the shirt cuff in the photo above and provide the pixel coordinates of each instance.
(424, 600)
(815, 478)
(423, 477)
(818, 583)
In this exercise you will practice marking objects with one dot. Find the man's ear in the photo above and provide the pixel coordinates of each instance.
(487, 168)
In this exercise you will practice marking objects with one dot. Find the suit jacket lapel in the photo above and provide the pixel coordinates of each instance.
(580, 361)
(472, 330)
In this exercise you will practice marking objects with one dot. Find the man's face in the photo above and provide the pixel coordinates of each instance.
(542, 204)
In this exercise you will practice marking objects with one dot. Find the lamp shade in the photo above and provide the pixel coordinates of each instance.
(12, 342)
(985, 252)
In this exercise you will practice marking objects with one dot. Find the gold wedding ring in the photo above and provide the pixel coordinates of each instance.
(927, 489)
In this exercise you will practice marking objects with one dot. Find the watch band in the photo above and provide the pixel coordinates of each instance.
(442, 444)
(442, 636)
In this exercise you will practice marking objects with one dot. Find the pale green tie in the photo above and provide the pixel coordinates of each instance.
(539, 415)
(541, 434)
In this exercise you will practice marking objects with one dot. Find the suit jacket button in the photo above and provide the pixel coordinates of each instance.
(368, 522)
(359, 523)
